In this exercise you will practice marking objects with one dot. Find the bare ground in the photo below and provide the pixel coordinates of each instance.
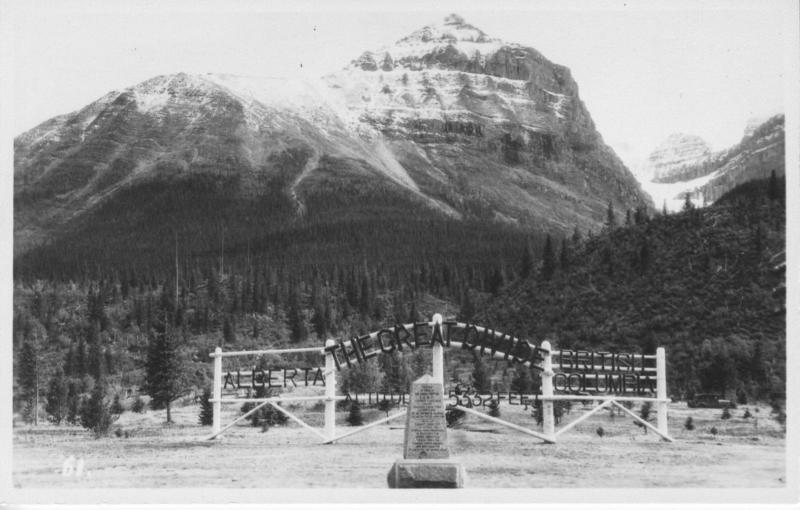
(744, 453)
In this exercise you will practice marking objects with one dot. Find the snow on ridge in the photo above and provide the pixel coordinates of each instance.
(673, 194)
(436, 38)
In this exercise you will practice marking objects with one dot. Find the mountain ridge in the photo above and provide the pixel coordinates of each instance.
(464, 138)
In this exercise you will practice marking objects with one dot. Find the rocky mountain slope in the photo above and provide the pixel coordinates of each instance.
(677, 151)
(684, 164)
(447, 122)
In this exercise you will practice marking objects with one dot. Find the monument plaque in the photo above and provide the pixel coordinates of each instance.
(426, 430)
(425, 461)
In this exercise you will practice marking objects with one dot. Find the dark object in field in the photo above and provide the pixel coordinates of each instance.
(453, 415)
(710, 400)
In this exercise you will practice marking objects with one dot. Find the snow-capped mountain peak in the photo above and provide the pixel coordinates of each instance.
(452, 35)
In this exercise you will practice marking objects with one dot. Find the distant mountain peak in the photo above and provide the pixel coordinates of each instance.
(451, 38)
(451, 29)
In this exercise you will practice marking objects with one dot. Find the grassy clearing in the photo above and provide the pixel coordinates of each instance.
(744, 453)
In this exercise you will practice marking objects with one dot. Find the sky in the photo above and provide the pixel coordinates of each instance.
(644, 69)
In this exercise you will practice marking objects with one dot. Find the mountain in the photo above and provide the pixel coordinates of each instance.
(447, 125)
(684, 164)
(677, 151)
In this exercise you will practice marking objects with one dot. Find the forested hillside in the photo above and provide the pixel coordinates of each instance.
(703, 283)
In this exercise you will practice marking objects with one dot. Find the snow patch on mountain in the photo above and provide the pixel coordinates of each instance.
(452, 33)
(673, 195)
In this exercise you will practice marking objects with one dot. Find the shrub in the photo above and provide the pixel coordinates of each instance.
(494, 408)
(747, 414)
(95, 414)
(116, 406)
(138, 405)
(600, 431)
(644, 412)
(206, 408)
(714, 430)
(354, 417)
(741, 396)
(689, 423)
(272, 416)
(537, 412)
(453, 415)
(385, 406)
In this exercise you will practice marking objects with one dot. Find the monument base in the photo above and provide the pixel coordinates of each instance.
(426, 474)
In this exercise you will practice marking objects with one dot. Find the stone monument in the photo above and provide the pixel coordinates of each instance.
(425, 463)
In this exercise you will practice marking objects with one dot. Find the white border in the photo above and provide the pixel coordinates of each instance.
(466, 497)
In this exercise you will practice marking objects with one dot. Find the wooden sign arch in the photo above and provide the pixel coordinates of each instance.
(438, 332)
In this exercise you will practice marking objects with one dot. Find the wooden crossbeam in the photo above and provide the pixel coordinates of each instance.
(298, 420)
(237, 420)
(510, 425)
(640, 420)
(573, 423)
(365, 427)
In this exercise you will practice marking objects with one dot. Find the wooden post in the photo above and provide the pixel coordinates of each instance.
(438, 353)
(661, 390)
(330, 392)
(548, 416)
(217, 391)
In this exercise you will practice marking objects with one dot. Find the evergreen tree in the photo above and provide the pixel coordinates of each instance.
(395, 375)
(526, 266)
(361, 378)
(687, 202)
(495, 281)
(206, 408)
(481, 375)
(95, 414)
(80, 359)
(467, 310)
(773, 191)
(421, 364)
(523, 382)
(116, 406)
(611, 217)
(138, 405)
(297, 325)
(563, 256)
(163, 367)
(689, 423)
(365, 297)
(73, 403)
(319, 320)
(726, 413)
(385, 406)
(28, 378)
(354, 417)
(228, 330)
(57, 406)
(494, 408)
(96, 359)
(548, 259)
